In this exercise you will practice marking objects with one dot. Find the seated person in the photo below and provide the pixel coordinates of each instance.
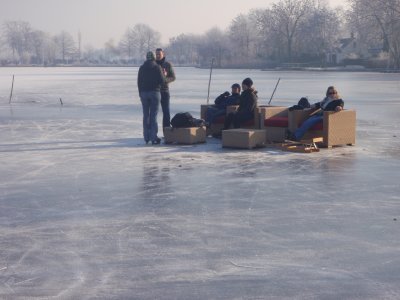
(247, 105)
(331, 102)
(221, 102)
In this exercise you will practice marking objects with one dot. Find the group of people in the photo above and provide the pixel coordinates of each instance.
(247, 101)
(153, 78)
(156, 73)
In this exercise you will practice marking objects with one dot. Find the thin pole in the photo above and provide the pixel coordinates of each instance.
(61, 102)
(209, 81)
(12, 88)
(274, 91)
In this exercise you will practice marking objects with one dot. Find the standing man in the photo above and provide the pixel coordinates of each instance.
(150, 79)
(169, 77)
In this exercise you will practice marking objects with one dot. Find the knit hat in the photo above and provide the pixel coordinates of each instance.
(150, 56)
(236, 85)
(248, 82)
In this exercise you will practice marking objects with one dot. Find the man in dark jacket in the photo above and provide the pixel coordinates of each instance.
(222, 102)
(247, 105)
(150, 79)
(169, 77)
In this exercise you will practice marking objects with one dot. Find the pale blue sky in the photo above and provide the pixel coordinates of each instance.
(100, 20)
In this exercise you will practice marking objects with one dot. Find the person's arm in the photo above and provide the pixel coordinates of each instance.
(139, 80)
(316, 105)
(221, 99)
(161, 78)
(335, 105)
(170, 76)
(253, 104)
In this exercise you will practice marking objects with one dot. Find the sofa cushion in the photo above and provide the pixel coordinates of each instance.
(219, 120)
(276, 122)
(248, 123)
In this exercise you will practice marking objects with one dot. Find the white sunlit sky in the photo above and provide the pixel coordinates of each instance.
(102, 20)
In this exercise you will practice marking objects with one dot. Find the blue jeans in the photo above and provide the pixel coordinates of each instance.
(150, 103)
(307, 124)
(165, 108)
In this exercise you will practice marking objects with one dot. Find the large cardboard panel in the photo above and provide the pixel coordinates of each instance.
(243, 138)
(190, 135)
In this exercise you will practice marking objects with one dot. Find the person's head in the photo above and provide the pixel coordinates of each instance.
(247, 83)
(235, 88)
(150, 55)
(332, 92)
(159, 54)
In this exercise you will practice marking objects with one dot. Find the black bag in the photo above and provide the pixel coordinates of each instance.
(185, 119)
(303, 103)
(182, 119)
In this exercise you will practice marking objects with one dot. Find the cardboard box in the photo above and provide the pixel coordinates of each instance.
(243, 138)
(275, 134)
(190, 135)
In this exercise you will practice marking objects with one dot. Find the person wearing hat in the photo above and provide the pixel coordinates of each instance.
(221, 102)
(247, 105)
(150, 79)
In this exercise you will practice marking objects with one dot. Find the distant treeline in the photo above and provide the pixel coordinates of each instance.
(289, 32)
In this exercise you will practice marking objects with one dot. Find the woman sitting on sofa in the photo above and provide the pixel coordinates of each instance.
(332, 102)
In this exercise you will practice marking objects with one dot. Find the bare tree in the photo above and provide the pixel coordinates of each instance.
(39, 42)
(286, 16)
(319, 33)
(138, 40)
(66, 45)
(79, 46)
(18, 37)
(377, 22)
(183, 49)
(127, 44)
(242, 34)
(214, 44)
(145, 39)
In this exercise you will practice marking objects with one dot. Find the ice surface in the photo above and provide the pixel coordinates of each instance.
(88, 211)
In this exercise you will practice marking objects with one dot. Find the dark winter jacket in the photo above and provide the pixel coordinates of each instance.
(329, 104)
(226, 99)
(150, 77)
(248, 100)
(170, 76)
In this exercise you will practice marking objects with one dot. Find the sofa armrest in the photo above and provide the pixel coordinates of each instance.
(339, 127)
(203, 110)
(267, 112)
(297, 117)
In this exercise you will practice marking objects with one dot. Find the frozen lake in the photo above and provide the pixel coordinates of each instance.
(88, 211)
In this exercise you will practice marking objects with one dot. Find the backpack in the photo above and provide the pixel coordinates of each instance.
(185, 119)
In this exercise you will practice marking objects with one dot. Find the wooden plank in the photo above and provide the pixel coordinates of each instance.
(299, 147)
